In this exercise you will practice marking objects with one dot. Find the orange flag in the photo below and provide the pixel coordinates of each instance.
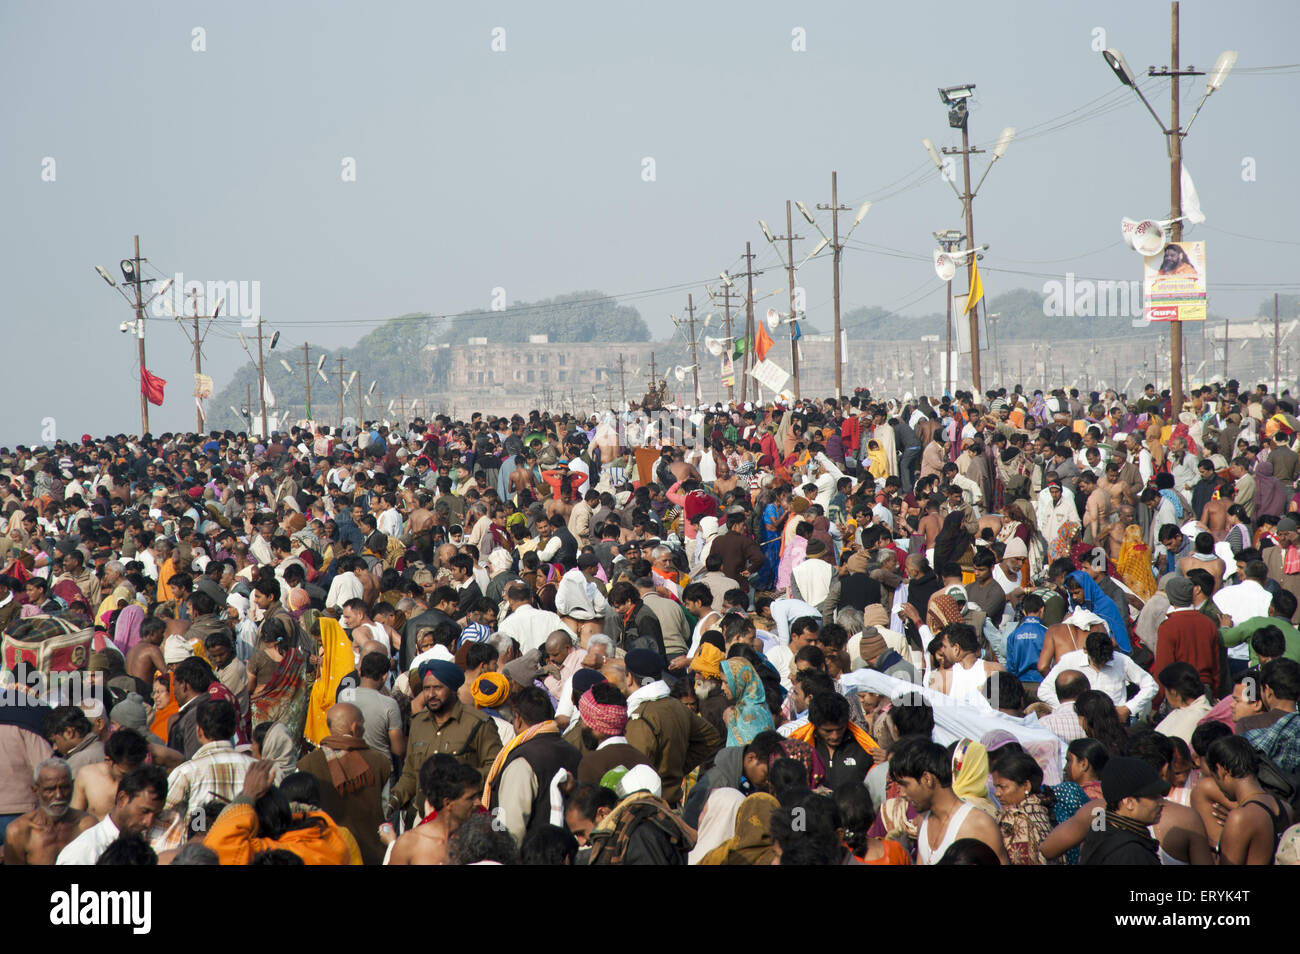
(762, 343)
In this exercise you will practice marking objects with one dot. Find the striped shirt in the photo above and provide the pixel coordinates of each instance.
(473, 633)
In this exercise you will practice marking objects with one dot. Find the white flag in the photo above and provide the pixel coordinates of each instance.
(266, 393)
(844, 346)
(1191, 201)
(772, 376)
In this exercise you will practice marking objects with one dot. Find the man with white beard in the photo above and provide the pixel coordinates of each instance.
(37, 837)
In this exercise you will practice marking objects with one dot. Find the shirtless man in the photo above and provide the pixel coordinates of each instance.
(95, 788)
(521, 478)
(1118, 491)
(144, 660)
(1067, 636)
(1203, 557)
(1215, 513)
(1114, 533)
(924, 772)
(455, 790)
(682, 471)
(931, 523)
(726, 481)
(990, 521)
(37, 837)
(1253, 826)
(562, 506)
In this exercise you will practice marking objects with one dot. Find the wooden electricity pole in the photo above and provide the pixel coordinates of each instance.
(340, 392)
(139, 336)
(835, 209)
(695, 364)
(789, 238)
(746, 358)
(261, 377)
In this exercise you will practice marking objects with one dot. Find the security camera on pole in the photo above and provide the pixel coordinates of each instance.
(132, 276)
(957, 99)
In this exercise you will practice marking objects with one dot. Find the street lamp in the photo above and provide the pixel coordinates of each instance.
(1174, 135)
(132, 277)
(949, 239)
(957, 99)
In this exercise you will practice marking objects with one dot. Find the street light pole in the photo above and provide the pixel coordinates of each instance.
(139, 335)
(1174, 136)
(973, 313)
(261, 376)
(789, 251)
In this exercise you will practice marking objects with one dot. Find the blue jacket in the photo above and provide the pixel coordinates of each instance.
(1024, 645)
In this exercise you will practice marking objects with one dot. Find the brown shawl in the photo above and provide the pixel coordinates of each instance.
(349, 771)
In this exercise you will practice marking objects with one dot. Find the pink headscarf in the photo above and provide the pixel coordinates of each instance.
(126, 632)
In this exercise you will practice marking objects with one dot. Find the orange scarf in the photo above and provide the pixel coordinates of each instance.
(806, 733)
(499, 762)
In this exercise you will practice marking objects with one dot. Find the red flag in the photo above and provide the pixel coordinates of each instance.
(762, 343)
(152, 387)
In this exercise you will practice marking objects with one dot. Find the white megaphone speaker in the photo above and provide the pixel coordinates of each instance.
(1146, 237)
(714, 346)
(945, 265)
(773, 319)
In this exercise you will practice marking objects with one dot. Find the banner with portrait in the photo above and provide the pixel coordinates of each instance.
(1173, 283)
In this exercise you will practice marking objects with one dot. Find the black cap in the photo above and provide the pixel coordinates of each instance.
(1130, 778)
(645, 663)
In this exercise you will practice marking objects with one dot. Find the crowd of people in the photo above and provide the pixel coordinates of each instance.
(1011, 628)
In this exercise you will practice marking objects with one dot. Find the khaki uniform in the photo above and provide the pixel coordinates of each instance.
(674, 739)
(469, 735)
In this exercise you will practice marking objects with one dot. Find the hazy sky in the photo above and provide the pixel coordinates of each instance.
(523, 169)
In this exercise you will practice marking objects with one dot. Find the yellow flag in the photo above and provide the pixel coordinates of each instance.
(976, 288)
(336, 662)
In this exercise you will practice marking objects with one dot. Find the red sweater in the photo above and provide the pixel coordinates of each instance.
(1188, 636)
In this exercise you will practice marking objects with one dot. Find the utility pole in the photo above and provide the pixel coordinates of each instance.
(1174, 134)
(261, 377)
(1225, 347)
(622, 381)
(835, 209)
(139, 335)
(1276, 343)
(360, 410)
(654, 378)
(340, 392)
(746, 360)
(789, 238)
(695, 369)
(973, 315)
(306, 366)
(198, 358)
(248, 407)
(728, 343)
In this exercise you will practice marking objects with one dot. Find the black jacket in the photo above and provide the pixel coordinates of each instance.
(642, 631)
(1117, 846)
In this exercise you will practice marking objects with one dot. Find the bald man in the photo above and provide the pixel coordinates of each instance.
(351, 777)
(563, 659)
